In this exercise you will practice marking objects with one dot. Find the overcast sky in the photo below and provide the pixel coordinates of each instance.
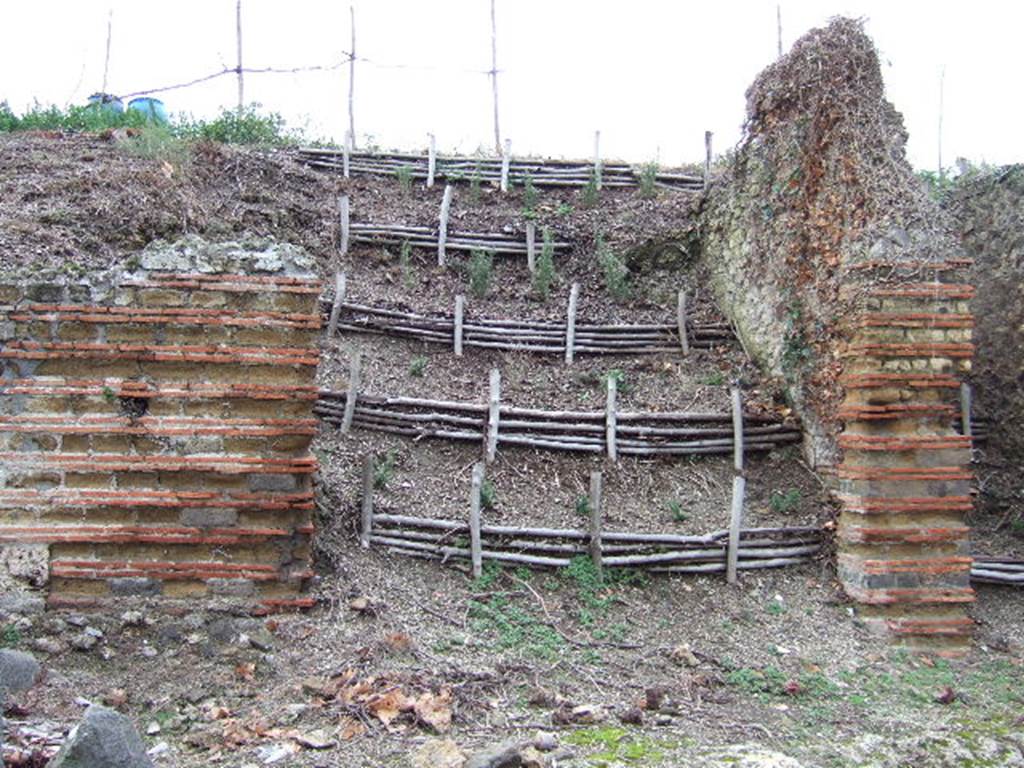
(652, 75)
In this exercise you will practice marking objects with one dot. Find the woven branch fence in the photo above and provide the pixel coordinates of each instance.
(500, 171)
(611, 432)
(427, 237)
(567, 338)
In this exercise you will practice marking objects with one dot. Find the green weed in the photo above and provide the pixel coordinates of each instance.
(513, 628)
(647, 178)
(619, 377)
(616, 273)
(10, 636)
(544, 268)
(405, 263)
(488, 495)
(589, 193)
(563, 209)
(404, 175)
(675, 509)
(783, 503)
(418, 366)
(474, 186)
(582, 506)
(530, 196)
(481, 265)
(715, 379)
(384, 470)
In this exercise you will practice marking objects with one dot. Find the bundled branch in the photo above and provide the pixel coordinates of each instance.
(556, 548)
(631, 433)
(997, 570)
(543, 173)
(426, 237)
(531, 336)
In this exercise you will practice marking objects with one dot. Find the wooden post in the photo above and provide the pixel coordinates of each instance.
(737, 430)
(431, 161)
(442, 229)
(506, 161)
(343, 220)
(965, 409)
(739, 485)
(570, 323)
(493, 415)
(238, 43)
(597, 158)
(339, 299)
(684, 338)
(475, 548)
(346, 149)
(707, 158)
(778, 25)
(494, 76)
(367, 518)
(106, 60)
(611, 418)
(352, 78)
(531, 246)
(460, 303)
(594, 529)
(353, 392)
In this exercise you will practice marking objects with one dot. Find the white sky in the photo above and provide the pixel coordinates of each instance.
(651, 75)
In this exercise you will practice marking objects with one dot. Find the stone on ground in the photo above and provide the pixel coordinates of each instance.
(18, 671)
(104, 739)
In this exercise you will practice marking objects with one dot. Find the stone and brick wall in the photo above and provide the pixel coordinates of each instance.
(904, 479)
(155, 430)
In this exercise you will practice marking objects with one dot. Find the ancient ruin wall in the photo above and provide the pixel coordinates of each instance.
(155, 427)
(988, 208)
(842, 278)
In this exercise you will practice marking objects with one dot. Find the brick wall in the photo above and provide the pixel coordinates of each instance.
(904, 480)
(154, 435)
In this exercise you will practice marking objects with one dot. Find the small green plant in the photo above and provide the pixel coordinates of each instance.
(488, 496)
(796, 351)
(474, 186)
(530, 197)
(404, 175)
(679, 515)
(158, 141)
(544, 269)
(648, 178)
(10, 636)
(563, 209)
(418, 366)
(384, 470)
(775, 606)
(405, 263)
(619, 377)
(783, 503)
(616, 273)
(715, 379)
(109, 395)
(481, 265)
(589, 193)
(767, 680)
(582, 506)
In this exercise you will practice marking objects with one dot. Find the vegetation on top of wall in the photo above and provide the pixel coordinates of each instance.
(250, 126)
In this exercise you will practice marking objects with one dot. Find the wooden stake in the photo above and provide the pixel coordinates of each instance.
(707, 158)
(570, 323)
(597, 158)
(106, 60)
(238, 44)
(494, 77)
(493, 414)
(339, 299)
(610, 419)
(460, 303)
(594, 530)
(506, 159)
(737, 430)
(531, 246)
(343, 219)
(739, 485)
(684, 338)
(431, 161)
(475, 548)
(367, 518)
(353, 391)
(965, 409)
(778, 25)
(352, 78)
(442, 229)
(345, 151)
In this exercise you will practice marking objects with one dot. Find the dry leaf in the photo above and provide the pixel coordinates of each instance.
(350, 728)
(167, 168)
(435, 710)
(398, 641)
(246, 671)
(388, 706)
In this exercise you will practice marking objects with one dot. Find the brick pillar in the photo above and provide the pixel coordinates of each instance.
(154, 434)
(904, 479)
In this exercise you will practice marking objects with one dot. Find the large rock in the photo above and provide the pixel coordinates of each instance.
(505, 755)
(18, 672)
(104, 739)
